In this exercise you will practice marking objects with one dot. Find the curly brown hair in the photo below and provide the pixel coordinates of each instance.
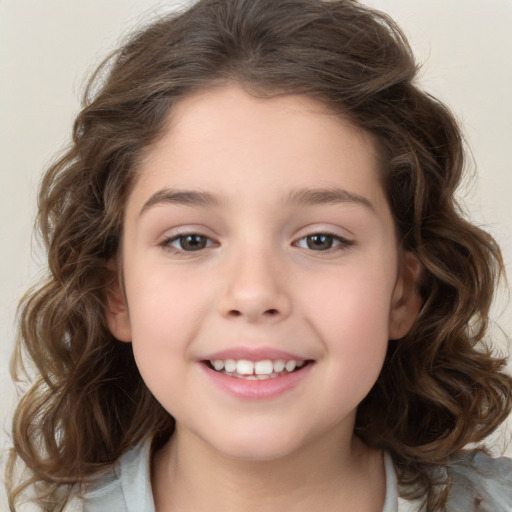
(440, 388)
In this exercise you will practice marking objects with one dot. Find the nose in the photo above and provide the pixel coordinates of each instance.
(254, 288)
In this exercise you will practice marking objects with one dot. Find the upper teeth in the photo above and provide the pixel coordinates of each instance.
(264, 367)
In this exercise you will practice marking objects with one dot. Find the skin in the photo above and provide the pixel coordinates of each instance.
(258, 283)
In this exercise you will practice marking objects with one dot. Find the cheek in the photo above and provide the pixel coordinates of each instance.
(164, 312)
(161, 300)
(351, 316)
(163, 325)
(354, 303)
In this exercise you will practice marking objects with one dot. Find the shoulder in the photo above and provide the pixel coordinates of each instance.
(480, 483)
(125, 487)
(105, 491)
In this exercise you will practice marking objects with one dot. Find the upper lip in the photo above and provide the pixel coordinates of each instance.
(253, 354)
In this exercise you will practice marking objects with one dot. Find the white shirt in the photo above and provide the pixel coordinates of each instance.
(480, 484)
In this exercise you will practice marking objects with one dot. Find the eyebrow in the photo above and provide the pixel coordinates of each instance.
(183, 197)
(300, 197)
(330, 195)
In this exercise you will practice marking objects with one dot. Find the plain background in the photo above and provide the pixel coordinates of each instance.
(48, 48)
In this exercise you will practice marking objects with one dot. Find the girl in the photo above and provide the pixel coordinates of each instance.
(261, 293)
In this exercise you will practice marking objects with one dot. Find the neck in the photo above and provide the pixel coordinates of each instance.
(188, 475)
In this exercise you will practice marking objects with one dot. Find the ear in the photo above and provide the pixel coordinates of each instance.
(116, 308)
(406, 301)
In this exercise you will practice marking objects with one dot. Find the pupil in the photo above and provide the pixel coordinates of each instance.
(319, 242)
(193, 242)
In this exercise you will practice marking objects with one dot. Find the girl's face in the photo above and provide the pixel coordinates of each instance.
(258, 236)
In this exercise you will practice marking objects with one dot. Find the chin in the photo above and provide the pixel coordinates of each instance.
(257, 444)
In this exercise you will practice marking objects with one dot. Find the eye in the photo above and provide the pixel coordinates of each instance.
(188, 243)
(323, 242)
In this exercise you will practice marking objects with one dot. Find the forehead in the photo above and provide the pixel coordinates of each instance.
(225, 138)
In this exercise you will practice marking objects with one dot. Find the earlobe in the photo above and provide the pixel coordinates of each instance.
(407, 302)
(116, 311)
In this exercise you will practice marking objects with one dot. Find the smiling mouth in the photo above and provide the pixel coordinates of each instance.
(256, 370)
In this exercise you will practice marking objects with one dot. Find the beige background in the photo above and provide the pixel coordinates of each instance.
(47, 48)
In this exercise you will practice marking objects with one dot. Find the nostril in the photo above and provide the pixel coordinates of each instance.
(235, 313)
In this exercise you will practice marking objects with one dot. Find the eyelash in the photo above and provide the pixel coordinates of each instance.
(342, 243)
(167, 243)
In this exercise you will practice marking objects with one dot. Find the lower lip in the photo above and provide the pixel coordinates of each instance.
(265, 389)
